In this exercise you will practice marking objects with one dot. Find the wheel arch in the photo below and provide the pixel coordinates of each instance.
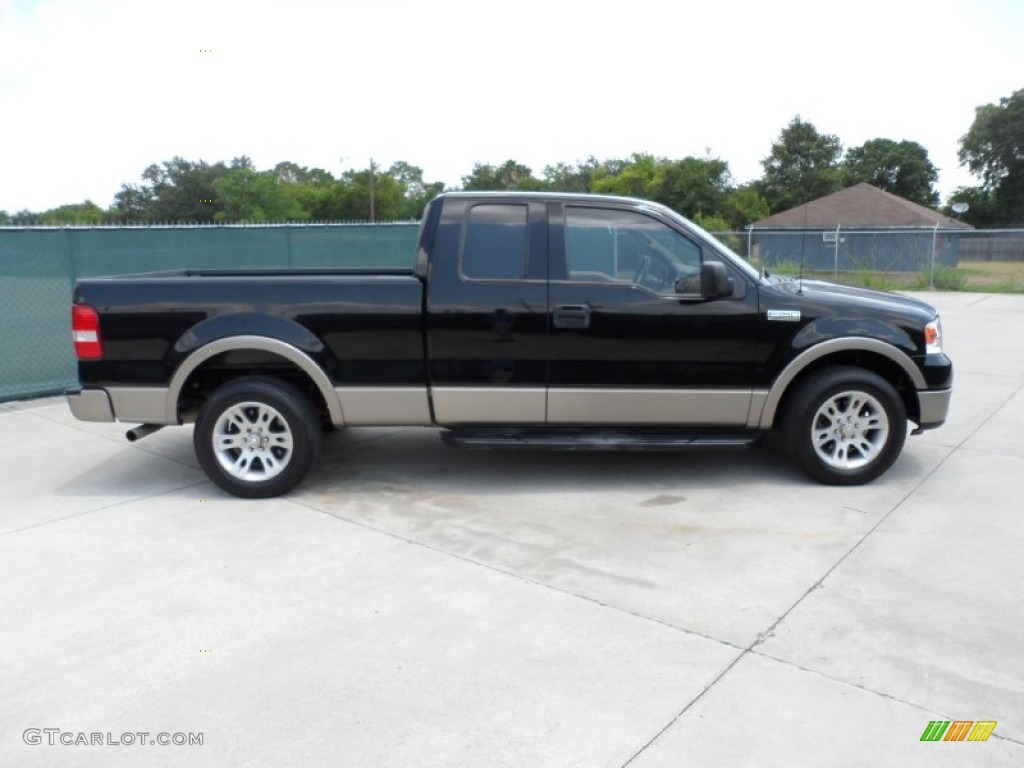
(265, 351)
(889, 362)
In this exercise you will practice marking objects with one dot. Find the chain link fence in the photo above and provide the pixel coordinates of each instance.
(904, 257)
(39, 265)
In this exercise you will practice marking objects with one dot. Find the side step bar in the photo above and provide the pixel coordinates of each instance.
(598, 439)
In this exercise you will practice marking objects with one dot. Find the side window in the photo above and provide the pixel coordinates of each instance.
(607, 245)
(495, 243)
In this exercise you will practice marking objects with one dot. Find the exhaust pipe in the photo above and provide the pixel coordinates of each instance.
(143, 430)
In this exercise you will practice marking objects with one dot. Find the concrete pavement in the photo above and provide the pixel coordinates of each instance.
(416, 605)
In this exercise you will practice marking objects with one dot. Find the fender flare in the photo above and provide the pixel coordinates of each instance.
(823, 349)
(263, 344)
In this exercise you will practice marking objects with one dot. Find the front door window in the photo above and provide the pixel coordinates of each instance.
(617, 246)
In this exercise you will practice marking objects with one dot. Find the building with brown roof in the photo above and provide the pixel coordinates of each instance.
(860, 227)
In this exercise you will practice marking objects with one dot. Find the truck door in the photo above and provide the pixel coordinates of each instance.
(632, 342)
(486, 314)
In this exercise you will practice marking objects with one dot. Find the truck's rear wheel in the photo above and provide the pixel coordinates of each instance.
(257, 437)
(845, 425)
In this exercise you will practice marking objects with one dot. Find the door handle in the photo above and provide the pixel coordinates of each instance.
(572, 316)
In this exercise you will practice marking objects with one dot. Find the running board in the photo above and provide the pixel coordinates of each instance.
(595, 439)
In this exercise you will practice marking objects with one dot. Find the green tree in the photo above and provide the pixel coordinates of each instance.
(417, 192)
(639, 176)
(993, 149)
(745, 205)
(177, 190)
(368, 195)
(132, 204)
(983, 208)
(509, 175)
(184, 191)
(693, 186)
(78, 213)
(564, 177)
(245, 194)
(802, 165)
(902, 168)
(316, 188)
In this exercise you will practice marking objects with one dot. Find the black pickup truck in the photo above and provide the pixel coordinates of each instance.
(539, 320)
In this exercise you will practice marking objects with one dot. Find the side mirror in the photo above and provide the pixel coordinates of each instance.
(714, 280)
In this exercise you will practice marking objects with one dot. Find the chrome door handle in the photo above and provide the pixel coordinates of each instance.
(572, 316)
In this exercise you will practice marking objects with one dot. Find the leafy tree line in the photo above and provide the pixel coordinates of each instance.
(185, 191)
(803, 164)
(993, 149)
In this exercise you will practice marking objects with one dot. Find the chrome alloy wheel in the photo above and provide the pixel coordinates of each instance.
(849, 430)
(252, 441)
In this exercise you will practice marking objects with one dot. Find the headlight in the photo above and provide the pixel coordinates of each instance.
(933, 337)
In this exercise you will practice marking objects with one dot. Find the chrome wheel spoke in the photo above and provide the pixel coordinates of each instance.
(240, 467)
(866, 449)
(252, 441)
(270, 464)
(839, 454)
(238, 417)
(849, 430)
(229, 441)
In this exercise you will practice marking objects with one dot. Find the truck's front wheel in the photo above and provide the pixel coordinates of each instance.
(845, 425)
(257, 437)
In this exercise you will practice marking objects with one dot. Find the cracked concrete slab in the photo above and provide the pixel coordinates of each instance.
(928, 609)
(765, 713)
(596, 525)
(260, 625)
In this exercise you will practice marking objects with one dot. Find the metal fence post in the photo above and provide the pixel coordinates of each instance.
(72, 270)
(931, 273)
(835, 266)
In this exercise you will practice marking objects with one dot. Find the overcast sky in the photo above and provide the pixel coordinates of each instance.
(93, 91)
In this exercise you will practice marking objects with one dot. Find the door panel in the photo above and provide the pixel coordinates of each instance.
(486, 313)
(650, 351)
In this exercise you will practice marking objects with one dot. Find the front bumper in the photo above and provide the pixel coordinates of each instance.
(934, 406)
(90, 404)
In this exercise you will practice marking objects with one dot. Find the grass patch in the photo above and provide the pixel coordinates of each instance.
(994, 276)
(973, 276)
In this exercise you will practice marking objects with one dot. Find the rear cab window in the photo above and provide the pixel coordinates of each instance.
(495, 244)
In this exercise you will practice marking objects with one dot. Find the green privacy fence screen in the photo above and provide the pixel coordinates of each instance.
(38, 268)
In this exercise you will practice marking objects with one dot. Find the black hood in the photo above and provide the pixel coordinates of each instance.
(863, 299)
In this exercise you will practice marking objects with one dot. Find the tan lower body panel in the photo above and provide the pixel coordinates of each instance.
(664, 407)
(91, 405)
(488, 405)
(384, 406)
(147, 405)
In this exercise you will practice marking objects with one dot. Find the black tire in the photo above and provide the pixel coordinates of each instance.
(844, 425)
(257, 437)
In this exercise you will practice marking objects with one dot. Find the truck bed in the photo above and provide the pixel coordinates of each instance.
(371, 319)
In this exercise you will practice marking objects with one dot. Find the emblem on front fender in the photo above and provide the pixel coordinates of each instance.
(784, 315)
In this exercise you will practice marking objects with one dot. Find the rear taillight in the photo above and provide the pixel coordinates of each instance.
(85, 330)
